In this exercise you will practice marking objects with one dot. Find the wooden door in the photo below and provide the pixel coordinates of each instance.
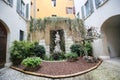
(3, 41)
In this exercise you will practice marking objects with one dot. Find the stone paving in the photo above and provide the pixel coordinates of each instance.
(108, 70)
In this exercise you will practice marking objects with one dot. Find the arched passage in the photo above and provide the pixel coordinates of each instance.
(111, 31)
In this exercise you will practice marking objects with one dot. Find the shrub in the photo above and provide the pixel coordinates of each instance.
(57, 56)
(31, 62)
(16, 57)
(21, 50)
(71, 56)
(77, 48)
(88, 47)
(39, 51)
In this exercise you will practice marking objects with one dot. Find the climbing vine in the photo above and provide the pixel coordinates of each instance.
(72, 24)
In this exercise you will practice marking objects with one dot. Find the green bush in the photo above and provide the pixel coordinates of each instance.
(77, 48)
(21, 50)
(71, 55)
(88, 48)
(31, 62)
(46, 57)
(39, 51)
(57, 56)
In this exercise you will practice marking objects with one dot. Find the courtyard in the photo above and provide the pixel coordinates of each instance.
(59, 40)
(108, 70)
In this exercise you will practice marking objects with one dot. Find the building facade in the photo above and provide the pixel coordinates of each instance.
(14, 15)
(104, 16)
(48, 8)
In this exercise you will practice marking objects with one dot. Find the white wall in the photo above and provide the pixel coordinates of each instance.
(98, 17)
(13, 22)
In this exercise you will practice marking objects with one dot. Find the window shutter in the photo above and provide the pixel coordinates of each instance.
(19, 6)
(10, 2)
(91, 6)
(97, 2)
(27, 11)
(83, 14)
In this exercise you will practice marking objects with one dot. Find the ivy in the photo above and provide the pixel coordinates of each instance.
(73, 24)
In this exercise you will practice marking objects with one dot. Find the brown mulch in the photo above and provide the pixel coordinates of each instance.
(63, 67)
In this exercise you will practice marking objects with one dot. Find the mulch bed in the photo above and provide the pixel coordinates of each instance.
(63, 67)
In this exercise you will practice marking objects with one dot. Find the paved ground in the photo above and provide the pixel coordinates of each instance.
(108, 70)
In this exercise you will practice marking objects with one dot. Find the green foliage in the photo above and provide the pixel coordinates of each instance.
(82, 49)
(71, 55)
(46, 57)
(31, 62)
(87, 47)
(77, 25)
(21, 50)
(39, 51)
(77, 48)
(40, 24)
(57, 56)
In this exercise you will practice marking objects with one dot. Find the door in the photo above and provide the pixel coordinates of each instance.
(3, 41)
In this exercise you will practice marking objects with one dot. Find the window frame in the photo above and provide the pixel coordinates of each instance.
(69, 10)
(100, 3)
(90, 8)
(53, 3)
(22, 9)
(21, 35)
(9, 2)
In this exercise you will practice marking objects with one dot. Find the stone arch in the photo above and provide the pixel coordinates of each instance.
(4, 43)
(111, 36)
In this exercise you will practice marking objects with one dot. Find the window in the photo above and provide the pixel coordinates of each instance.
(31, 3)
(9, 2)
(38, 10)
(23, 9)
(54, 15)
(89, 7)
(53, 3)
(82, 12)
(69, 10)
(78, 15)
(99, 3)
(21, 38)
(27, 11)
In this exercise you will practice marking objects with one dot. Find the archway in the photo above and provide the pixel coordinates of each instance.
(3, 44)
(111, 32)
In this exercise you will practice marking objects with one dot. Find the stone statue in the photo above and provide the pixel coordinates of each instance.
(57, 44)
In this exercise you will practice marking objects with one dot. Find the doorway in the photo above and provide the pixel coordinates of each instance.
(3, 42)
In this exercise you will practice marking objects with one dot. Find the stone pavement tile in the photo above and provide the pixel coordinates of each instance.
(105, 72)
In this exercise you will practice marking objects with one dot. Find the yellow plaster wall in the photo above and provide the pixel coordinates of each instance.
(46, 9)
